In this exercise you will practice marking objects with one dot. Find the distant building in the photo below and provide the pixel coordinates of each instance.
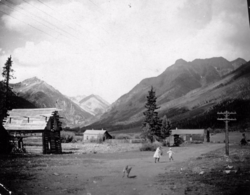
(188, 135)
(89, 135)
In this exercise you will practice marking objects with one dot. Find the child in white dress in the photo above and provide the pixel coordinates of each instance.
(170, 154)
(157, 154)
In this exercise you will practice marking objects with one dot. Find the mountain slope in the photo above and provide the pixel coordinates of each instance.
(13, 100)
(77, 99)
(238, 62)
(182, 84)
(43, 95)
(94, 104)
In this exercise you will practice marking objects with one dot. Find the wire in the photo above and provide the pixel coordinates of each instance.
(80, 31)
(45, 5)
(32, 16)
(48, 15)
(27, 24)
(60, 31)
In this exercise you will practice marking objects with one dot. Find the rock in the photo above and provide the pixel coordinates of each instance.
(227, 171)
(56, 174)
(229, 167)
(196, 170)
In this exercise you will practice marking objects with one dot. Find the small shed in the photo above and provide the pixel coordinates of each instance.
(89, 135)
(21, 123)
(189, 135)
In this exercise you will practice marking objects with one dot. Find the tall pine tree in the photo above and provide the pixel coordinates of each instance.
(7, 75)
(152, 123)
(165, 128)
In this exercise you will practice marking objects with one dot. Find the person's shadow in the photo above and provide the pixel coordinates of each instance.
(132, 176)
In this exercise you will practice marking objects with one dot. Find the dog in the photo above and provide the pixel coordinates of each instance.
(127, 170)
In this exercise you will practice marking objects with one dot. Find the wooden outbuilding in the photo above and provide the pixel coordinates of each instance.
(21, 123)
(89, 135)
(188, 135)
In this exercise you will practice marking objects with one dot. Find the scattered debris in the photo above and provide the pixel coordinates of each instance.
(197, 170)
(56, 174)
(229, 167)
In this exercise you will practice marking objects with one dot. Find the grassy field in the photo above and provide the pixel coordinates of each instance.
(34, 144)
(196, 169)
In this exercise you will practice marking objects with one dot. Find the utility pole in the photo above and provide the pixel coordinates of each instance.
(226, 120)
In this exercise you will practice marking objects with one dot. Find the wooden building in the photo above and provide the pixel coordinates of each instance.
(188, 135)
(89, 135)
(22, 123)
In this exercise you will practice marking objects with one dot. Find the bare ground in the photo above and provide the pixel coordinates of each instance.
(196, 169)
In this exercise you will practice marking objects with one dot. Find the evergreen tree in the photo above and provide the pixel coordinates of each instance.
(147, 133)
(165, 128)
(7, 75)
(152, 123)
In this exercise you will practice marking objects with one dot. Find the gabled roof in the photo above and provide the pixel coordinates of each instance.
(187, 131)
(28, 119)
(94, 132)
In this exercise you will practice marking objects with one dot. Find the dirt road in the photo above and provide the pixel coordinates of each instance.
(94, 174)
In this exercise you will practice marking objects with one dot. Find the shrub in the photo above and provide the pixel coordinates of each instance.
(123, 136)
(136, 141)
(77, 138)
(137, 136)
(150, 146)
(67, 136)
(165, 143)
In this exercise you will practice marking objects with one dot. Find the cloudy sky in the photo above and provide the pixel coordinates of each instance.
(106, 47)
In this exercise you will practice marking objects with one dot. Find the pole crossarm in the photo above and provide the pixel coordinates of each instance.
(226, 112)
(226, 119)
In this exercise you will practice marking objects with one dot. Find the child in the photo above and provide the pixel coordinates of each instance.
(157, 154)
(170, 154)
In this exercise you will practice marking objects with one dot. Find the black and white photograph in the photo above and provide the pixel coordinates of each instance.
(125, 97)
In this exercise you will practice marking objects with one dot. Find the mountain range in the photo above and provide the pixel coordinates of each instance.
(188, 93)
(42, 95)
(185, 90)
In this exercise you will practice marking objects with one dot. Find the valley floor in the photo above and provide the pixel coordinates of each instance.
(196, 169)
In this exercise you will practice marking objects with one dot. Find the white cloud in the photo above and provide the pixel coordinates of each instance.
(107, 47)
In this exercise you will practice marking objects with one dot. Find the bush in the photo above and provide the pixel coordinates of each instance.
(150, 146)
(166, 143)
(67, 137)
(137, 141)
(123, 136)
(77, 138)
(137, 136)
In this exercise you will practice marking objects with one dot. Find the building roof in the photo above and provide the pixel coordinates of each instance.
(94, 132)
(187, 131)
(28, 119)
